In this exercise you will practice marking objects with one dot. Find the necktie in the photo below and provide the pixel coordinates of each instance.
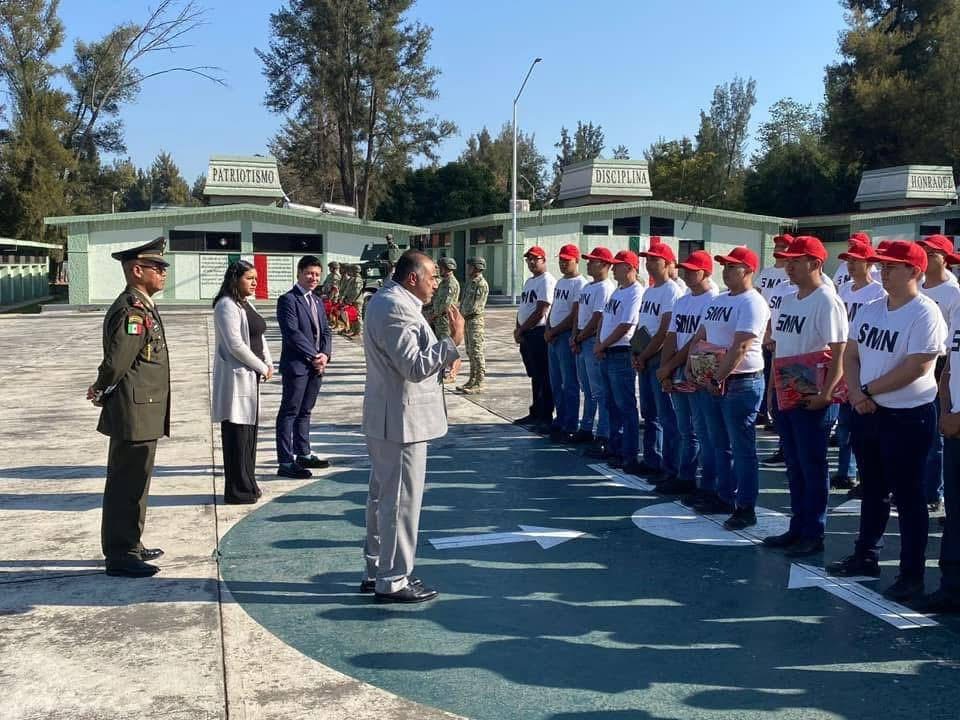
(312, 302)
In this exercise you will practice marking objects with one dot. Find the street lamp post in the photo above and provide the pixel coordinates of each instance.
(513, 192)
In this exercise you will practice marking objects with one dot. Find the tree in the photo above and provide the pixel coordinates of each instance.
(364, 66)
(429, 195)
(586, 144)
(167, 184)
(196, 192)
(621, 152)
(496, 155)
(105, 74)
(33, 162)
(789, 122)
(723, 136)
(679, 172)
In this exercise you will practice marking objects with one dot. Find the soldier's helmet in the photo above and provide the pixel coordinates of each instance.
(447, 262)
(334, 265)
(355, 269)
(478, 262)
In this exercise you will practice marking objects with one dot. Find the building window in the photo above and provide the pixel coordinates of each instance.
(829, 234)
(489, 234)
(419, 242)
(662, 227)
(951, 226)
(627, 226)
(929, 230)
(199, 241)
(685, 247)
(596, 230)
(287, 243)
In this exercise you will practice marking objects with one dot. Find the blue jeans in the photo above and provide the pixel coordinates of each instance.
(846, 460)
(933, 476)
(708, 455)
(892, 446)
(731, 422)
(594, 400)
(683, 406)
(564, 384)
(950, 543)
(805, 434)
(619, 381)
(712, 410)
(661, 441)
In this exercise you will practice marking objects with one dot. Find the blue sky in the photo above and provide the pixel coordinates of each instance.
(642, 69)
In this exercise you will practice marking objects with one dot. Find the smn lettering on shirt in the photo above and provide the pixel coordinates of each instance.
(650, 308)
(791, 323)
(877, 338)
(687, 324)
(852, 310)
(529, 296)
(612, 306)
(955, 347)
(561, 294)
(718, 314)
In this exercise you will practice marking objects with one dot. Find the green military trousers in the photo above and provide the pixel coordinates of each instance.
(129, 468)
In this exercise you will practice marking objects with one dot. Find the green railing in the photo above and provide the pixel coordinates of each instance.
(23, 281)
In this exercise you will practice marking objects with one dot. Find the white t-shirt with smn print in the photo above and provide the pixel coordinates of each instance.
(536, 289)
(885, 338)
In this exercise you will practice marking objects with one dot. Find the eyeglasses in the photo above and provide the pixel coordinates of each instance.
(159, 269)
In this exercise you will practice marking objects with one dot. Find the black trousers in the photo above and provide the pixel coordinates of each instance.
(950, 543)
(129, 469)
(239, 462)
(533, 351)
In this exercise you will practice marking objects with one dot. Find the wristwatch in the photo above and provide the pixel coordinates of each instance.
(863, 389)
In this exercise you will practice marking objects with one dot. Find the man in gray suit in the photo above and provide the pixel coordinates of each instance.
(403, 408)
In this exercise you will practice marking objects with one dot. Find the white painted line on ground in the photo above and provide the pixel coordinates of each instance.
(546, 538)
(674, 521)
(621, 478)
(849, 589)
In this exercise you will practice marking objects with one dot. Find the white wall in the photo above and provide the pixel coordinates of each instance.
(231, 227)
(892, 232)
(723, 239)
(262, 227)
(106, 275)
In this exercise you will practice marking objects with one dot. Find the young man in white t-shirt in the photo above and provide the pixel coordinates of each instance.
(736, 321)
(842, 274)
(593, 298)
(695, 447)
(888, 365)
(946, 599)
(939, 285)
(617, 325)
(857, 292)
(562, 363)
(529, 335)
(661, 441)
(811, 320)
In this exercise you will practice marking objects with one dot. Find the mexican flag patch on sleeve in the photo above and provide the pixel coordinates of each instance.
(134, 325)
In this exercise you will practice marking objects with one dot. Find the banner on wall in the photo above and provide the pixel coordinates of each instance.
(279, 274)
(212, 269)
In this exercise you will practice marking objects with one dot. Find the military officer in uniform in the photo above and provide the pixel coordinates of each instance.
(351, 297)
(331, 283)
(393, 251)
(446, 296)
(133, 390)
(472, 306)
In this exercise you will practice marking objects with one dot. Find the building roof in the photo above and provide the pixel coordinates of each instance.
(870, 218)
(13, 242)
(175, 217)
(676, 211)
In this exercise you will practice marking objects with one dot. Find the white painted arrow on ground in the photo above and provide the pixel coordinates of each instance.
(849, 589)
(544, 537)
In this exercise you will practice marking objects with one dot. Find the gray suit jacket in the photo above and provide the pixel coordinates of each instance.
(403, 400)
(236, 370)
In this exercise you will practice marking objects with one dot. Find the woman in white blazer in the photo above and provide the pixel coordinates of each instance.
(241, 361)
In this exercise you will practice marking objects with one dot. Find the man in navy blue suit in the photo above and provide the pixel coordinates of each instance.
(307, 346)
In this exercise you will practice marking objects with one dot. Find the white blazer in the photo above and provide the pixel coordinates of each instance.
(236, 369)
(403, 399)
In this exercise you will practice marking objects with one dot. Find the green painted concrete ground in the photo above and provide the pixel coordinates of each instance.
(615, 624)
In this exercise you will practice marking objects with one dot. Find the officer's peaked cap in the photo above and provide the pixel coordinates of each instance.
(152, 251)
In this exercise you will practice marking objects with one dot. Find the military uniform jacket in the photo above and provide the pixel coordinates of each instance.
(475, 294)
(447, 295)
(331, 281)
(352, 290)
(134, 376)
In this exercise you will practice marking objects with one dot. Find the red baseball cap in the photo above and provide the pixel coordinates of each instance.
(569, 252)
(655, 240)
(599, 253)
(942, 244)
(883, 245)
(804, 245)
(782, 240)
(905, 253)
(630, 258)
(660, 250)
(860, 237)
(858, 251)
(698, 260)
(536, 251)
(740, 255)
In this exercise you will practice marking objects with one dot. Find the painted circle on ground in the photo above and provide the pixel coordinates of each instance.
(674, 521)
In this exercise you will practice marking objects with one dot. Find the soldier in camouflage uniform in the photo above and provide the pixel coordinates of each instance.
(352, 294)
(331, 283)
(446, 296)
(133, 391)
(472, 307)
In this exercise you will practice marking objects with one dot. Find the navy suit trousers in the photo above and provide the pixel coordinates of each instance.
(293, 419)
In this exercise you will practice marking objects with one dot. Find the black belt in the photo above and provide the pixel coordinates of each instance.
(741, 376)
(618, 349)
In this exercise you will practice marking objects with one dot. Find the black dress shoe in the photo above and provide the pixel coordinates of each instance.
(939, 601)
(312, 461)
(805, 548)
(525, 420)
(673, 485)
(615, 462)
(776, 459)
(557, 435)
(646, 470)
(854, 565)
(842, 482)
(714, 506)
(583, 436)
(598, 450)
(904, 589)
(151, 553)
(410, 594)
(131, 567)
(742, 518)
(369, 586)
(292, 470)
(780, 541)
